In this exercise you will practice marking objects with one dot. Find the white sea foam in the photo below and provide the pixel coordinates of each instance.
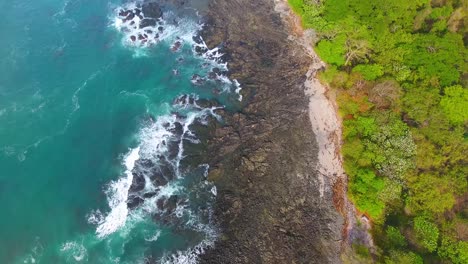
(214, 191)
(74, 250)
(95, 217)
(139, 35)
(35, 254)
(238, 89)
(154, 237)
(189, 256)
(214, 55)
(117, 195)
(176, 32)
(156, 149)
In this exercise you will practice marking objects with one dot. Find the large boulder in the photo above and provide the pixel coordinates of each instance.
(147, 22)
(152, 10)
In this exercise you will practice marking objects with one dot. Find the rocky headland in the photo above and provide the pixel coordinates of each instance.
(278, 199)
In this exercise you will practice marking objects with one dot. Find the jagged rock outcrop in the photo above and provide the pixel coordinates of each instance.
(263, 160)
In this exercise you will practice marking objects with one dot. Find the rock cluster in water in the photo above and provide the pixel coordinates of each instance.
(165, 168)
(143, 22)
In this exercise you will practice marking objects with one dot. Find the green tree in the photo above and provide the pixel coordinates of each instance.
(430, 194)
(395, 238)
(426, 232)
(366, 187)
(455, 104)
(333, 52)
(370, 72)
(401, 257)
(455, 251)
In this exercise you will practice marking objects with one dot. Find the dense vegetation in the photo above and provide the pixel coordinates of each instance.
(400, 73)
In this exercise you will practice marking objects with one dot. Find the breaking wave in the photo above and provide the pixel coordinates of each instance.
(156, 186)
(144, 25)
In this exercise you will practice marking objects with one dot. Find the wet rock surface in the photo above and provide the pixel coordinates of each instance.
(152, 10)
(263, 159)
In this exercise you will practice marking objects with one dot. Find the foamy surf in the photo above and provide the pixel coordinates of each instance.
(74, 251)
(117, 194)
(157, 190)
(141, 31)
(155, 187)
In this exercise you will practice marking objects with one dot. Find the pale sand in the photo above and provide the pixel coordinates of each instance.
(323, 110)
(326, 124)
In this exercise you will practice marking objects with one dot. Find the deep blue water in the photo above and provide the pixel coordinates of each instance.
(84, 110)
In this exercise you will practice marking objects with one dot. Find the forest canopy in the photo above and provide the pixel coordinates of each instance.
(399, 69)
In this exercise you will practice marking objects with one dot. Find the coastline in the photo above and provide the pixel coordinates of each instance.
(327, 126)
(276, 177)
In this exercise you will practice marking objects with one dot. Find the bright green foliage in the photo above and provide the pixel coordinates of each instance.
(420, 103)
(366, 186)
(427, 232)
(437, 59)
(399, 68)
(333, 51)
(431, 194)
(457, 252)
(455, 104)
(370, 72)
(401, 257)
(296, 5)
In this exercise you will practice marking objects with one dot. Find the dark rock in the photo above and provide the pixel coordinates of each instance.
(200, 50)
(173, 147)
(147, 22)
(171, 204)
(205, 103)
(149, 195)
(152, 10)
(133, 38)
(134, 201)
(177, 130)
(212, 76)
(129, 17)
(164, 169)
(263, 159)
(138, 182)
(160, 29)
(159, 180)
(176, 46)
(197, 39)
(160, 204)
(145, 163)
(197, 80)
(184, 100)
(124, 13)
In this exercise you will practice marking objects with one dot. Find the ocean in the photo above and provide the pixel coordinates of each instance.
(98, 100)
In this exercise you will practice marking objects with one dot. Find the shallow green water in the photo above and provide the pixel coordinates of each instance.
(74, 100)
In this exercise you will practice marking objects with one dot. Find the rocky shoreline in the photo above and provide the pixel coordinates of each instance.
(273, 205)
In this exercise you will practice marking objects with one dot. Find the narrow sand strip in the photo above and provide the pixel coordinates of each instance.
(323, 110)
(327, 127)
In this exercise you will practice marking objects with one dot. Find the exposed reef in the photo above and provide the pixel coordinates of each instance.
(273, 206)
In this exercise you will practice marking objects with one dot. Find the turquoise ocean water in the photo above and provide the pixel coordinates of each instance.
(84, 112)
